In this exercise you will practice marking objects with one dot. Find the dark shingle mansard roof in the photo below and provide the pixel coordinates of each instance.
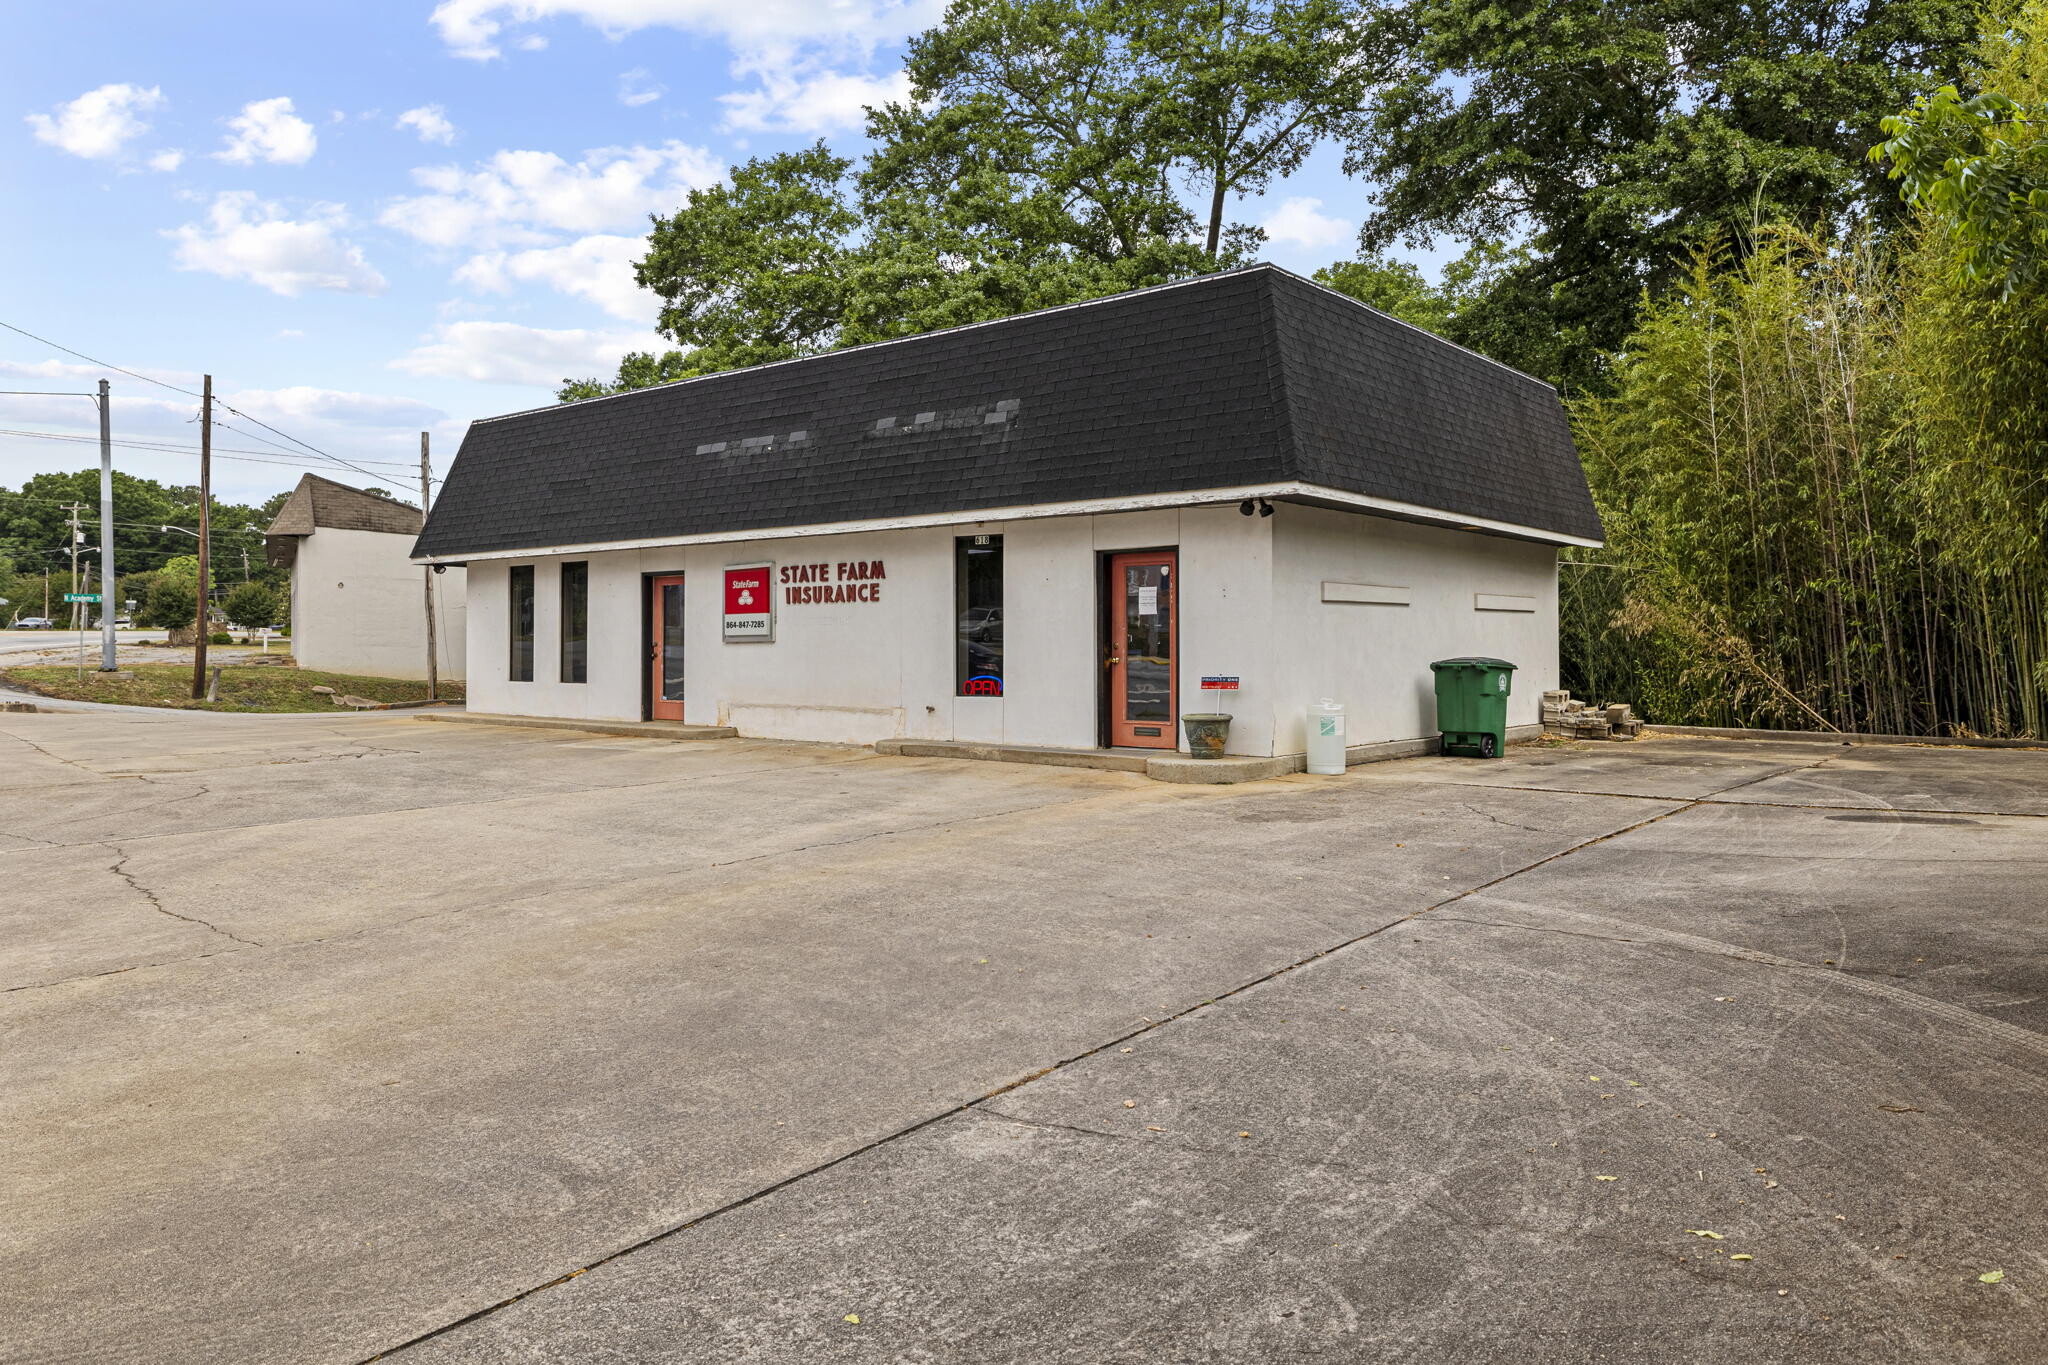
(1251, 377)
(318, 502)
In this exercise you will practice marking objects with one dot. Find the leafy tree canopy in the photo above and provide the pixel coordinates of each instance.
(251, 605)
(1977, 166)
(1610, 134)
(1045, 157)
(35, 528)
(1398, 287)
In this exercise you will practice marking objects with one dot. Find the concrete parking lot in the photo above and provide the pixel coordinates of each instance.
(332, 1039)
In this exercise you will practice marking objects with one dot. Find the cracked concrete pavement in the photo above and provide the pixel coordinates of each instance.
(343, 1038)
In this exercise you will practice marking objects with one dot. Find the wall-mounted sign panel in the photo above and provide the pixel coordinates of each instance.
(749, 602)
(1215, 683)
(1367, 592)
(1499, 601)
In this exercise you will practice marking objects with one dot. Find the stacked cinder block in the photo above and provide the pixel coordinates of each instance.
(1570, 719)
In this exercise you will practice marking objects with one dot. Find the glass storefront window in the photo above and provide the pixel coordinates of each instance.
(522, 623)
(575, 622)
(979, 594)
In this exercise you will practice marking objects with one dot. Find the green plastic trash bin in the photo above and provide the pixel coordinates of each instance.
(1472, 705)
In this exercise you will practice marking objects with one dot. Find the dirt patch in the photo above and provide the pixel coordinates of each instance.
(243, 687)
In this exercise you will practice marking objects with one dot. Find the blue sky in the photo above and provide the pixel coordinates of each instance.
(367, 220)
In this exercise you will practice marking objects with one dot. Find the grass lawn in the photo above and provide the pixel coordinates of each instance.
(243, 687)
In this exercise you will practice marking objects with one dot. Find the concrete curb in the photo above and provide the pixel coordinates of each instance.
(635, 729)
(1172, 767)
(1844, 737)
(1104, 760)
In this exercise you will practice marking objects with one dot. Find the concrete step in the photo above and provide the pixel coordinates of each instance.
(1107, 760)
(638, 729)
(1168, 765)
(1163, 766)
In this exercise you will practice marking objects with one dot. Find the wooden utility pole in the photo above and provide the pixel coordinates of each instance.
(203, 626)
(427, 572)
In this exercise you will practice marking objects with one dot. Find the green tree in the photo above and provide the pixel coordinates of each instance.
(1399, 287)
(1395, 287)
(250, 605)
(1613, 134)
(1241, 91)
(173, 599)
(1975, 346)
(639, 370)
(35, 527)
(1977, 167)
(1040, 160)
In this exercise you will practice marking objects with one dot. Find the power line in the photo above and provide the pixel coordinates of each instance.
(101, 363)
(176, 448)
(287, 450)
(188, 393)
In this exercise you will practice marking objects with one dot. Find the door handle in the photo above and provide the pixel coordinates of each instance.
(1107, 662)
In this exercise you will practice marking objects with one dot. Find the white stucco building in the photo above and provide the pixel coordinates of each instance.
(1066, 529)
(357, 600)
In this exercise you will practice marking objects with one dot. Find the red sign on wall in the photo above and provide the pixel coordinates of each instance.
(749, 602)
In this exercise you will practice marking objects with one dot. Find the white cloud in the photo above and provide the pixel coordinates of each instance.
(533, 42)
(598, 268)
(246, 238)
(100, 123)
(472, 28)
(638, 87)
(522, 198)
(507, 353)
(818, 101)
(312, 412)
(267, 130)
(430, 121)
(167, 160)
(1300, 221)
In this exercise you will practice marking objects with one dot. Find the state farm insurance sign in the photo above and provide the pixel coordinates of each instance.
(749, 602)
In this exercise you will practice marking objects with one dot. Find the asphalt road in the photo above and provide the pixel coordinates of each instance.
(66, 641)
(346, 1038)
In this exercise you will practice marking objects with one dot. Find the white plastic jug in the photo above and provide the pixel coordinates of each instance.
(1326, 738)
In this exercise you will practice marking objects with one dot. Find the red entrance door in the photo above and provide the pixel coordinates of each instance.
(665, 661)
(1143, 709)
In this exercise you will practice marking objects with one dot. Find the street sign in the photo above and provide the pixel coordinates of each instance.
(81, 597)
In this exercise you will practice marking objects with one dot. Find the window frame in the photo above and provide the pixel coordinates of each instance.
(965, 549)
(519, 668)
(574, 598)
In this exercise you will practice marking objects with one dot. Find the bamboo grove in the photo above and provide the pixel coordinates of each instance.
(1824, 472)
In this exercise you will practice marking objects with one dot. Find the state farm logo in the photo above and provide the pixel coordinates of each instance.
(745, 591)
(749, 602)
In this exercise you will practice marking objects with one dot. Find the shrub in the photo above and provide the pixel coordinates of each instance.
(172, 603)
(251, 605)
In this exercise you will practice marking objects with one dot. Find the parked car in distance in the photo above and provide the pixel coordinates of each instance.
(34, 623)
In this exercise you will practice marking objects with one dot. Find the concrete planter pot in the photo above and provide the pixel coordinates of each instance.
(1206, 733)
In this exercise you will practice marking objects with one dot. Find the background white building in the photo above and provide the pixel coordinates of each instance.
(357, 604)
